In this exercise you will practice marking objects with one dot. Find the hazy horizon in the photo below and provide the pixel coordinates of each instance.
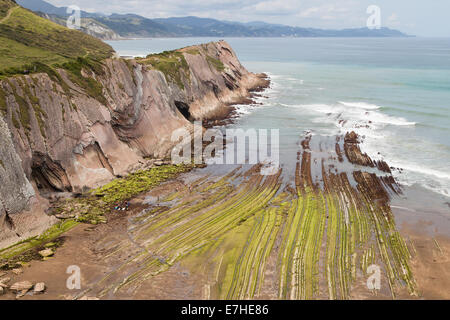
(412, 17)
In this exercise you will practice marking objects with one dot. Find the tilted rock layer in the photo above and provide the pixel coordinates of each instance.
(55, 137)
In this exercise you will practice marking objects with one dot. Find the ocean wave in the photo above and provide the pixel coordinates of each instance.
(378, 117)
(245, 109)
(242, 110)
(321, 108)
(433, 185)
(294, 80)
(361, 105)
(365, 132)
(441, 191)
(355, 117)
(283, 77)
(422, 170)
(433, 179)
(274, 76)
(264, 99)
(371, 124)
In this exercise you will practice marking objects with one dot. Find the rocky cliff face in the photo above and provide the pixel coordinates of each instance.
(21, 209)
(58, 135)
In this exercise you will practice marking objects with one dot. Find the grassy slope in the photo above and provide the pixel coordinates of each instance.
(171, 63)
(5, 5)
(174, 65)
(26, 38)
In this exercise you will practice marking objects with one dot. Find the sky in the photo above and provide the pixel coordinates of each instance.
(416, 17)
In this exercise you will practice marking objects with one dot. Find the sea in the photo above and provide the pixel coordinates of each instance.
(394, 92)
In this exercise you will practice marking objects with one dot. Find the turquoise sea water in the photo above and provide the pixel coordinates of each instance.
(393, 92)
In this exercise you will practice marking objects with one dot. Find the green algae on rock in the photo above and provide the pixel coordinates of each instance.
(90, 209)
(92, 206)
(28, 249)
(171, 63)
(250, 239)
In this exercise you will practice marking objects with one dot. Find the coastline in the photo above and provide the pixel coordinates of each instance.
(423, 220)
(179, 278)
(105, 124)
(221, 113)
(356, 191)
(288, 167)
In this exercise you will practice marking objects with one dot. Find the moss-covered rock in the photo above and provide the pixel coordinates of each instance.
(171, 63)
(90, 85)
(215, 63)
(92, 207)
(28, 250)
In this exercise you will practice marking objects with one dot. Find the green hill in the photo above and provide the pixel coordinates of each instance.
(5, 5)
(26, 38)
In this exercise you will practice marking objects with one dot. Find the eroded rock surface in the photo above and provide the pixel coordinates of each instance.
(57, 137)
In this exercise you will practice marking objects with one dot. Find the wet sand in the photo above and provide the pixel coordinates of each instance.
(424, 220)
(165, 248)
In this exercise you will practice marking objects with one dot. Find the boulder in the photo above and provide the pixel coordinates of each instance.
(17, 271)
(21, 294)
(46, 253)
(351, 137)
(159, 163)
(39, 287)
(63, 216)
(4, 281)
(21, 286)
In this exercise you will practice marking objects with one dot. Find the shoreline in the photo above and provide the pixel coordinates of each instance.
(82, 238)
(93, 241)
(222, 119)
(97, 203)
(348, 149)
(356, 191)
(113, 131)
(420, 204)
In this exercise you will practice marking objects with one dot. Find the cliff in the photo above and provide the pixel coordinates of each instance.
(87, 25)
(81, 126)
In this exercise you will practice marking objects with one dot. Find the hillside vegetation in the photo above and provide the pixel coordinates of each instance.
(133, 25)
(26, 38)
(5, 5)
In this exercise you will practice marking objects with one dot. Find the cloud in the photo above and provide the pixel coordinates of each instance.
(334, 14)
(274, 7)
(309, 12)
(393, 17)
(393, 21)
(325, 12)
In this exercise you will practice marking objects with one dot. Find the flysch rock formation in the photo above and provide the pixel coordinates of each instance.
(55, 139)
(17, 195)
